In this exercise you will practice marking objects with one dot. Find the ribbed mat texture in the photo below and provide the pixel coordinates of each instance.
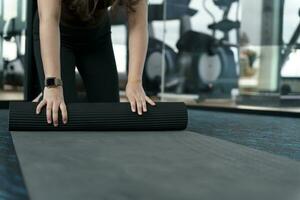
(101, 117)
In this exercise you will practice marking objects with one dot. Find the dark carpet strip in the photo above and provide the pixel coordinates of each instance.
(277, 135)
(12, 186)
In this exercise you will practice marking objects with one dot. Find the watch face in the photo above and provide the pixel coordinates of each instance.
(50, 82)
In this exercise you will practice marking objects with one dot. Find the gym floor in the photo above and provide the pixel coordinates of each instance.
(273, 134)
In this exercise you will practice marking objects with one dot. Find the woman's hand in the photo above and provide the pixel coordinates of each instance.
(54, 101)
(137, 97)
(37, 99)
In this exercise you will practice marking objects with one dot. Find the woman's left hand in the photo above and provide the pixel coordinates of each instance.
(137, 97)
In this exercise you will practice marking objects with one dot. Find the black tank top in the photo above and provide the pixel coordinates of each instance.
(69, 17)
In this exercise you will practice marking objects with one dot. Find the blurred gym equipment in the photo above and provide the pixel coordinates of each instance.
(13, 73)
(2, 22)
(292, 44)
(13, 30)
(206, 63)
(273, 89)
(223, 3)
(175, 10)
(290, 86)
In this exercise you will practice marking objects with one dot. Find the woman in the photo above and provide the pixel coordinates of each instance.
(69, 33)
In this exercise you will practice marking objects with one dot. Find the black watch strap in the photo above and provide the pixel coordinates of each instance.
(53, 82)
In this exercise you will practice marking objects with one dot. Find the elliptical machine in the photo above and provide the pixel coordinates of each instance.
(176, 10)
(287, 90)
(13, 73)
(206, 64)
(13, 31)
(2, 22)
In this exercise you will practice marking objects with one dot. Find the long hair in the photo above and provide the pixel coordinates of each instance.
(85, 9)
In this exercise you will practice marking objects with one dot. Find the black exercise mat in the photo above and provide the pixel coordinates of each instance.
(153, 166)
(100, 117)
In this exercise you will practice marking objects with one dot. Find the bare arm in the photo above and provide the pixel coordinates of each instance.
(53, 98)
(138, 45)
(49, 14)
(138, 40)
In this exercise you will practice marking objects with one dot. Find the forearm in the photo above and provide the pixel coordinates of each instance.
(138, 41)
(50, 47)
(138, 45)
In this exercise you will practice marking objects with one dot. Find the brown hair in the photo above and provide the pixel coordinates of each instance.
(86, 8)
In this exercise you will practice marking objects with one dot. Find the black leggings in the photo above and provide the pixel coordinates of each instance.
(91, 51)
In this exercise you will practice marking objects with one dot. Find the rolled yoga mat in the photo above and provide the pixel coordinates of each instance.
(100, 117)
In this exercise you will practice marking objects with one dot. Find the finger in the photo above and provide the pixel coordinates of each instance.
(40, 106)
(64, 112)
(48, 112)
(55, 114)
(150, 101)
(37, 98)
(144, 104)
(139, 106)
(133, 105)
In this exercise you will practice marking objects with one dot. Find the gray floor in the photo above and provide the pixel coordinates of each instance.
(150, 165)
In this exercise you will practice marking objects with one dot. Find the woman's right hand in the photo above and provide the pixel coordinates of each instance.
(53, 99)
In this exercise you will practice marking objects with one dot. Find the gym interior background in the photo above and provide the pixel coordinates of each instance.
(239, 57)
(232, 54)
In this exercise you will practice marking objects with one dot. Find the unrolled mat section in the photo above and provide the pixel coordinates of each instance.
(175, 165)
(100, 117)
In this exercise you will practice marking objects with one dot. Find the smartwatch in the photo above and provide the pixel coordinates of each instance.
(52, 82)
